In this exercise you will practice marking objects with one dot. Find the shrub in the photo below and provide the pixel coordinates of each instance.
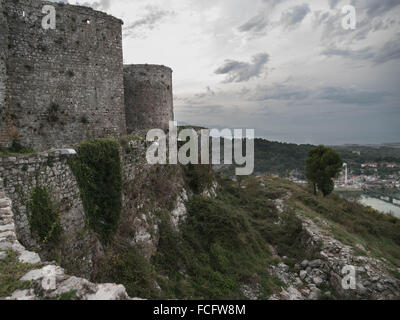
(44, 218)
(17, 147)
(198, 177)
(130, 268)
(216, 251)
(52, 113)
(84, 119)
(98, 172)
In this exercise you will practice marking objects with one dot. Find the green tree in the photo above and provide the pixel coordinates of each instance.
(323, 164)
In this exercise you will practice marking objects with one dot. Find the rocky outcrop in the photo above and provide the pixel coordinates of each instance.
(48, 280)
(338, 272)
(337, 260)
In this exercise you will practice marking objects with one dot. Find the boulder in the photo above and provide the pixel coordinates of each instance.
(304, 264)
(29, 257)
(315, 263)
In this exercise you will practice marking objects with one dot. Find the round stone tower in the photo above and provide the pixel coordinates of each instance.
(61, 85)
(148, 96)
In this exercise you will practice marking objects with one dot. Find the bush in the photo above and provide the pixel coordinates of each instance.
(217, 250)
(98, 172)
(198, 177)
(131, 269)
(44, 218)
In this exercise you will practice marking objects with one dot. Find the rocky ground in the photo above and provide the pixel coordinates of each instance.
(47, 280)
(322, 278)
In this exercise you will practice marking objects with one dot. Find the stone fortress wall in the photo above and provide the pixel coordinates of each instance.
(148, 96)
(59, 87)
(3, 57)
(64, 84)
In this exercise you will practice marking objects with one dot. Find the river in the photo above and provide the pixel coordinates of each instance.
(380, 205)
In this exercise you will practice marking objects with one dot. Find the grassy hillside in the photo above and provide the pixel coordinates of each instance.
(348, 221)
(225, 242)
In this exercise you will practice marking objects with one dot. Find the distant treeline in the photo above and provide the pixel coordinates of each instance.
(280, 158)
(286, 158)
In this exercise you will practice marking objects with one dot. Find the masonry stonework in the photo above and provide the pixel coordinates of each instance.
(148, 96)
(3, 75)
(65, 85)
(21, 174)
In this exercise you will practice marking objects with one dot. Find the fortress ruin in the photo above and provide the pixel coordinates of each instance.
(61, 86)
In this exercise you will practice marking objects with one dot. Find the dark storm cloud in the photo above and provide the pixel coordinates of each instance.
(238, 71)
(295, 15)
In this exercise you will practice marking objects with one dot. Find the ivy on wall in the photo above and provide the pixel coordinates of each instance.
(97, 169)
(44, 217)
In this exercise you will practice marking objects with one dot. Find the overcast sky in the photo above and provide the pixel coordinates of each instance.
(286, 68)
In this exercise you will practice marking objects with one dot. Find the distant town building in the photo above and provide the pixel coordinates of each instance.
(369, 165)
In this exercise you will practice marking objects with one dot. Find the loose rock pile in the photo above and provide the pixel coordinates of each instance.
(372, 278)
(322, 278)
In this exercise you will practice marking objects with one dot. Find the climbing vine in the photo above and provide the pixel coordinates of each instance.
(44, 217)
(97, 169)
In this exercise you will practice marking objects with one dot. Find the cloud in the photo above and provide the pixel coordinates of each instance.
(389, 51)
(258, 23)
(351, 96)
(333, 3)
(238, 71)
(153, 17)
(291, 92)
(361, 54)
(375, 8)
(279, 91)
(58, 1)
(294, 16)
(97, 5)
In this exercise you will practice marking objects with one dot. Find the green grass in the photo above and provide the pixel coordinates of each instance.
(348, 221)
(67, 295)
(15, 149)
(224, 244)
(11, 270)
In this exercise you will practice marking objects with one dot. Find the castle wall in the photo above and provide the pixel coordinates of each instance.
(3, 75)
(21, 174)
(148, 96)
(66, 84)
